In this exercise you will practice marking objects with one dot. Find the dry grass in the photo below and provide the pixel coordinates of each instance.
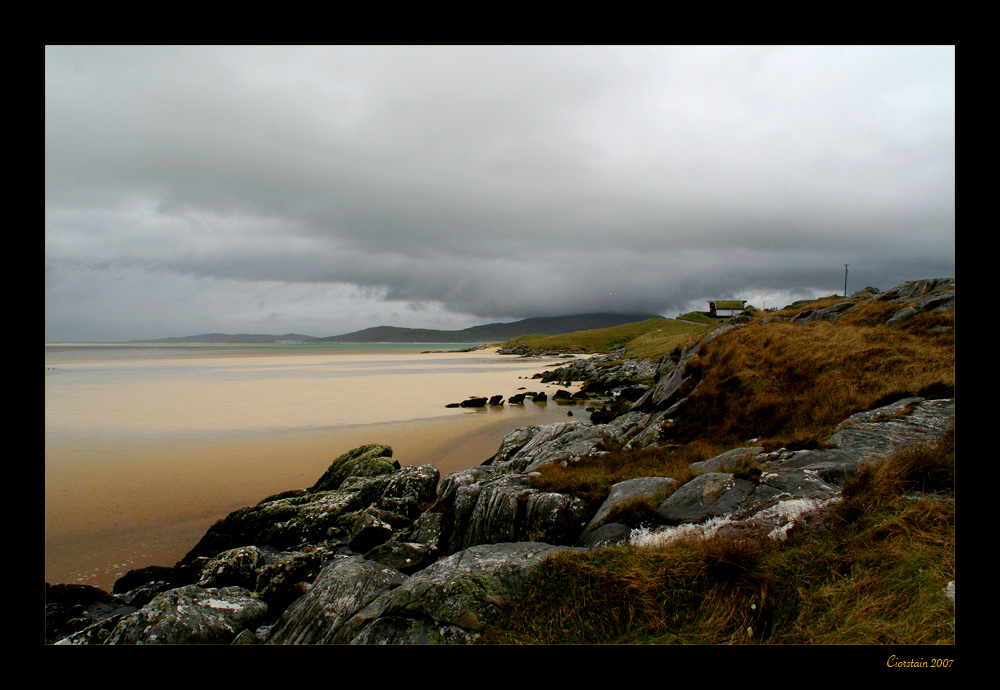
(591, 478)
(876, 576)
(791, 384)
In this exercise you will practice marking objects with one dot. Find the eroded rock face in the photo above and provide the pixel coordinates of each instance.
(492, 506)
(880, 432)
(313, 516)
(342, 590)
(551, 443)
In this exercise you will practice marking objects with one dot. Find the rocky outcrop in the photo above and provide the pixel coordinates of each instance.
(378, 553)
(453, 599)
(912, 298)
(192, 615)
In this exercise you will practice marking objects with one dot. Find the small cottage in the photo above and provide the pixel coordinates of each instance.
(732, 305)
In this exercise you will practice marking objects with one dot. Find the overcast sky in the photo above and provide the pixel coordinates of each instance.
(322, 190)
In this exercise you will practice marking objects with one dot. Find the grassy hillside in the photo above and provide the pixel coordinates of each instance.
(649, 338)
(874, 577)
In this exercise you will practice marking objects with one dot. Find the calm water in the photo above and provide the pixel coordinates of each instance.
(147, 445)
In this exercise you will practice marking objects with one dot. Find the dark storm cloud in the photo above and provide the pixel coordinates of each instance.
(463, 184)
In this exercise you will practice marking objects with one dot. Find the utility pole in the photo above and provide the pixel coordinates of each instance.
(845, 280)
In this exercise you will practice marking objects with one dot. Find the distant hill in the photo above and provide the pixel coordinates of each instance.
(489, 333)
(226, 338)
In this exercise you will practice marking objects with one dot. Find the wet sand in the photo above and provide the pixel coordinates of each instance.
(107, 512)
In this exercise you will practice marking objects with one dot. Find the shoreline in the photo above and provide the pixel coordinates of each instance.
(107, 514)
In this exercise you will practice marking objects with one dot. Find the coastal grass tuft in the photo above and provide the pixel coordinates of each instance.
(875, 573)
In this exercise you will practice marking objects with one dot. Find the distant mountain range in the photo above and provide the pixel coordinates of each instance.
(489, 333)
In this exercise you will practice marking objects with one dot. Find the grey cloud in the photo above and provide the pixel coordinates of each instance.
(500, 182)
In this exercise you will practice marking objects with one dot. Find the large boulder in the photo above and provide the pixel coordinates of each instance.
(237, 567)
(341, 590)
(453, 599)
(630, 489)
(706, 496)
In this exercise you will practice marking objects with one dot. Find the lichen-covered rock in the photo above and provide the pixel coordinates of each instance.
(406, 557)
(285, 522)
(71, 609)
(499, 507)
(288, 577)
(409, 491)
(880, 432)
(191, 615)
(365, 461)
(341, 590)
(236, 567)
(555, 442)
(465, 590)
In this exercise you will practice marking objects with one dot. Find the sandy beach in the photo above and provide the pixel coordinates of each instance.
(117, 501)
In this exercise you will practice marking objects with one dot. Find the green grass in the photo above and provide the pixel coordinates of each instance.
(701, 317)
(875, 576)
(650, 338)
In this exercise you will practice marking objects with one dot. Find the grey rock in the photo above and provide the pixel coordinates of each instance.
(706, 496)
(609, 534)
(875, 434)
(831, 313)
(833, 466)
(466, 590)
(726, 459)
(365, 461)
(797, 483)
(191, 615)
(341, 590)
(555, 442)
(497, 507)
(406, 557)
(641, 487)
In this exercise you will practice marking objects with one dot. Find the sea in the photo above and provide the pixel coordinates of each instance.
(147, 445)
